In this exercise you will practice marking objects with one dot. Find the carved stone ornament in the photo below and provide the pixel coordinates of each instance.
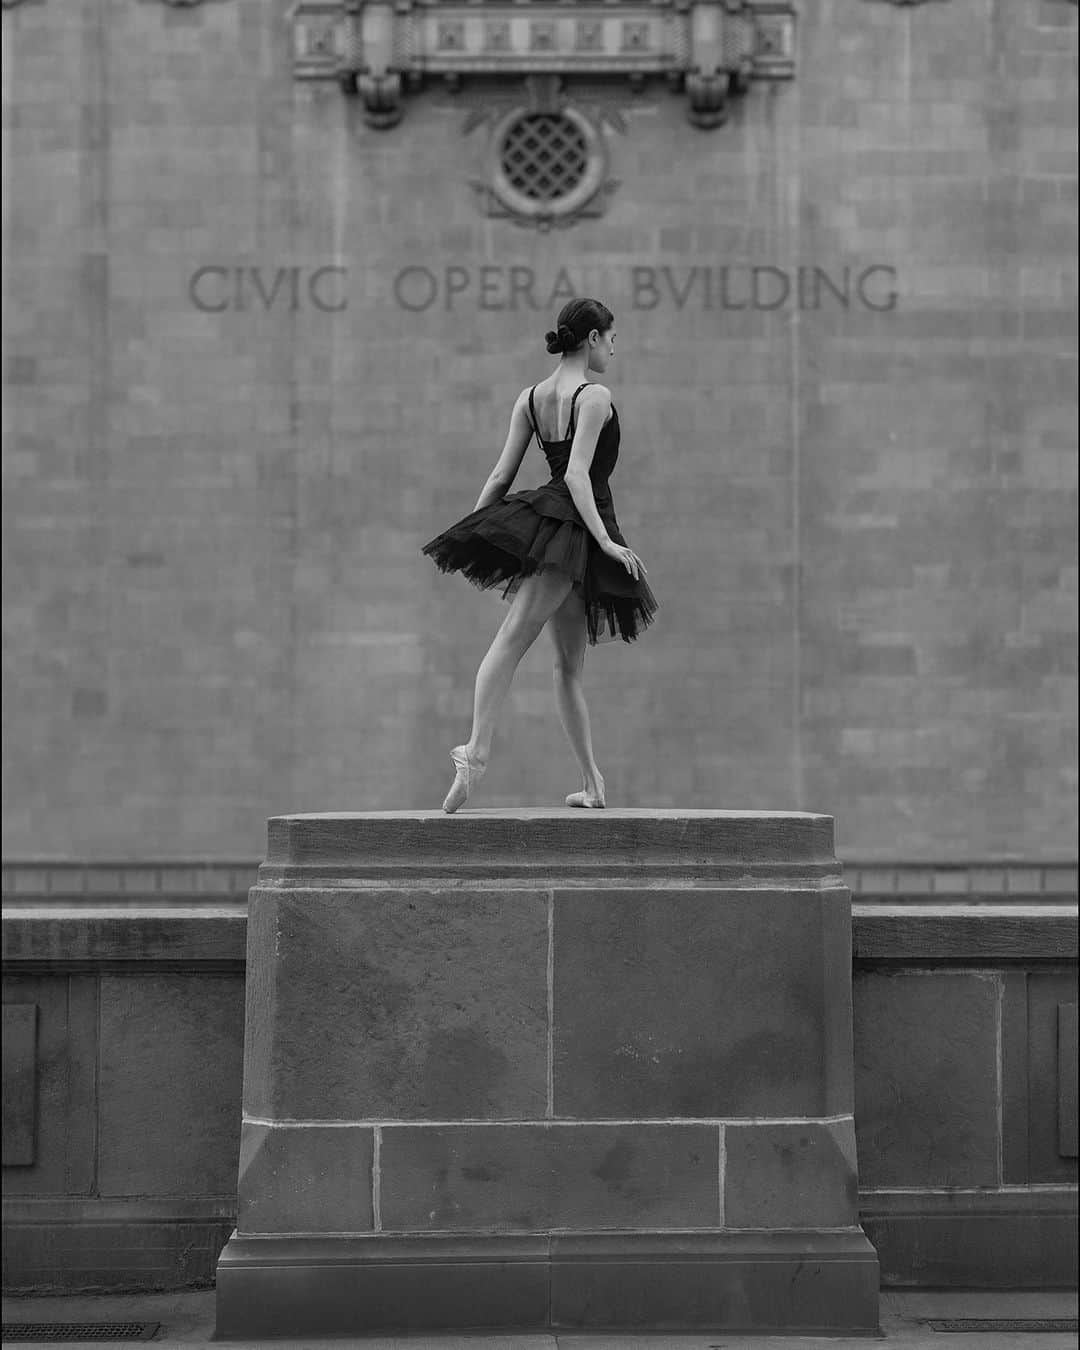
(377, 49)
(547, 156)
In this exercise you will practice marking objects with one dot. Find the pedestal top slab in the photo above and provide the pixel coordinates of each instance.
(551, 845)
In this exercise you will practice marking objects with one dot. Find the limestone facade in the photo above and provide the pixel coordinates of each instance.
(257, 350)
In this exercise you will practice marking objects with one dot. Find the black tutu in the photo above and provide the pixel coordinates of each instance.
(525, 532)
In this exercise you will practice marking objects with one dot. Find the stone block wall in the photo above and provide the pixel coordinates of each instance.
(124, 1033)
(257, 353)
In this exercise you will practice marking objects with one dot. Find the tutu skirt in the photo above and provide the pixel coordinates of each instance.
(525, 532)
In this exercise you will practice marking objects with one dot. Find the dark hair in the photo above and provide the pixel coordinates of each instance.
(576, 320)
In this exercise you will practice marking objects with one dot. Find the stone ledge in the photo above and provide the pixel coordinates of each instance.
(986, 881)
(100, 937)
(635, 846)
(995, 933)
(89, 939)
(135, 883)
(120, 881)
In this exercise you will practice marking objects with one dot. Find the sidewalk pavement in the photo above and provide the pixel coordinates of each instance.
(187, 1319)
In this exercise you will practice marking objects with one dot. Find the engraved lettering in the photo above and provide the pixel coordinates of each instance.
(313, 289)
(256, 279)
(644, 281)
(843, 295)
(563, 288)
(757, 273)
(489, 286)
(457, 280)
(522, 280)
(415, 288)
(193, 289)
(680, 296)
(890, 297)
(726, 301)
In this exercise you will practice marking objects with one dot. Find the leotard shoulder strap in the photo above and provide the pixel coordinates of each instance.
(573, 410)
(532, 416)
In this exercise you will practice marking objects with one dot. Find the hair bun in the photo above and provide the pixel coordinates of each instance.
(561, 339)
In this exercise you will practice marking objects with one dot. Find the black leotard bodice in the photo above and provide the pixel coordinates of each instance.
(557, 454)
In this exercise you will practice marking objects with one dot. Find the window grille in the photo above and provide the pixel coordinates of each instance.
(544, 156)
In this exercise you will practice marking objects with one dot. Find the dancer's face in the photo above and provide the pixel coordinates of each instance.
(601, 349)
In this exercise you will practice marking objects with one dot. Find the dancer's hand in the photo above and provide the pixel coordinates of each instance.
(624, 555)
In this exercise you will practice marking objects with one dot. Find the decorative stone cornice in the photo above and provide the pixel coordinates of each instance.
(712, 49)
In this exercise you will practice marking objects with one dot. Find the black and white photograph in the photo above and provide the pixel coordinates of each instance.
(540, 634)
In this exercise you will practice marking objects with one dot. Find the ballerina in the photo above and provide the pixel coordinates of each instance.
(558, 547)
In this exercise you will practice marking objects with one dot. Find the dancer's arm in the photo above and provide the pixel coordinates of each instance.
(502, 476)
(593, 409)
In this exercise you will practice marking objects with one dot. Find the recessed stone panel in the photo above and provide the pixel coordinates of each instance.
(698, 1003)
(926, 1105)
(167, 1122)
(305, 1179)
(1067, 1084)
(542, 1176)
(800, 1174)
(398, 1004)
(1051, 1085)
(66, 1049)
(20, 1083)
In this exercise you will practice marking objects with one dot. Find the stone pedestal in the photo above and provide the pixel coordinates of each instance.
(548, 1069)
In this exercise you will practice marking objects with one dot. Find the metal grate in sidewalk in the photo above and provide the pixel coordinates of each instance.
(21, 1333)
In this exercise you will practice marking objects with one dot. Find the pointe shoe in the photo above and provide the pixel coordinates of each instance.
(468, 775)
(584, 798)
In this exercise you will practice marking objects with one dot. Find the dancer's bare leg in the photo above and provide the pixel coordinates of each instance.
(567, 629)
(537, 598)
